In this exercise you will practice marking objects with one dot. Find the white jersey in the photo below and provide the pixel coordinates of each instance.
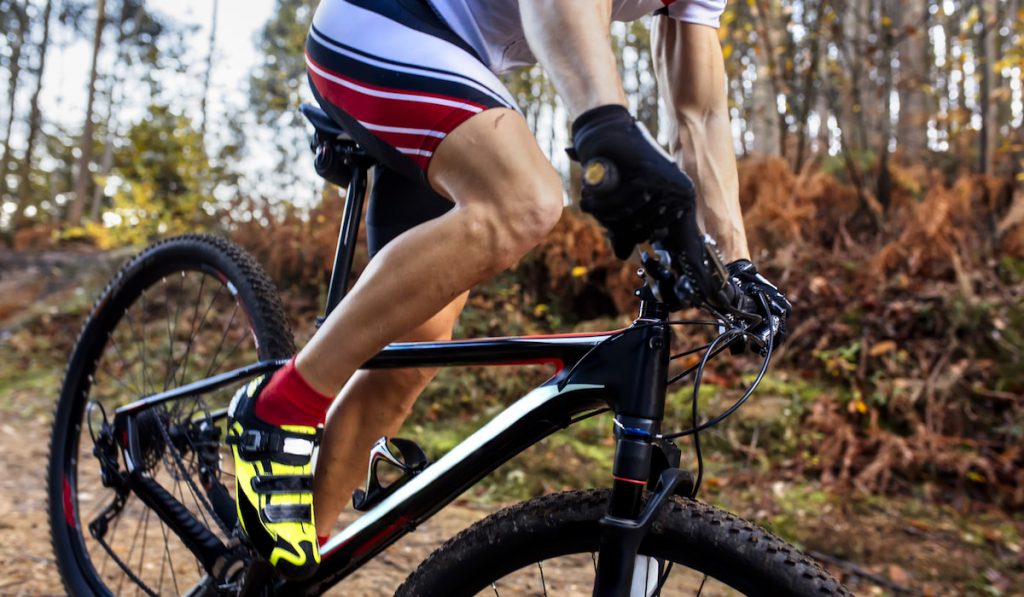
(493, 27)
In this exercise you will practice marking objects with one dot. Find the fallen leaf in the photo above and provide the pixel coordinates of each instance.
(883, 347)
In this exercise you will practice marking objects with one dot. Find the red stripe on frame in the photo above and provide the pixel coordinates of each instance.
(382, 535)
(633, 481)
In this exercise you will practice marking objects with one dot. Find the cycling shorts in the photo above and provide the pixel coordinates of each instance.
(398, 77)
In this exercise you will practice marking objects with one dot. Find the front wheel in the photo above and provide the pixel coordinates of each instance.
(549, 545)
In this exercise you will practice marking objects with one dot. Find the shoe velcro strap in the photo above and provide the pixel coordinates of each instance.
(275, 513)
(273, 484)
(254, 443)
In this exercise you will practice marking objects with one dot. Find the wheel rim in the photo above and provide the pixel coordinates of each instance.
(183, 323)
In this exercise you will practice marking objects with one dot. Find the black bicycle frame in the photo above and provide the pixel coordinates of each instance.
(623, 371)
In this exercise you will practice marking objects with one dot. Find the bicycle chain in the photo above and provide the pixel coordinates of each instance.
(122, 565)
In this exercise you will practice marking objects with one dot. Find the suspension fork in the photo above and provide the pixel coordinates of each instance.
(639, 413)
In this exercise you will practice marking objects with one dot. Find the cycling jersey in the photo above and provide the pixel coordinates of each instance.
(493, 27)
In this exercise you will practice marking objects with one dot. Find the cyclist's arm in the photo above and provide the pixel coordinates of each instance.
(571, 40)
(691, 75)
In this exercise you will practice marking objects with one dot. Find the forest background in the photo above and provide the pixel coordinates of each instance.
(882, 179)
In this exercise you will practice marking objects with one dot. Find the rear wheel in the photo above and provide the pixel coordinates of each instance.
(549, 545)
(181, 311)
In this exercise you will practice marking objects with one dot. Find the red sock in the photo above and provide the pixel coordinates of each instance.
(289, 400)
(322, 539)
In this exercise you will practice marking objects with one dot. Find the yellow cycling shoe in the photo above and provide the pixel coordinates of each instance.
(274, 485)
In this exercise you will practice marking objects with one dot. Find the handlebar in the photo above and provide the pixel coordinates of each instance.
(687, 270)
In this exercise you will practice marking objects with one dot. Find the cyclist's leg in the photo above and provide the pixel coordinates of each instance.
(507, 198)
(373, 404)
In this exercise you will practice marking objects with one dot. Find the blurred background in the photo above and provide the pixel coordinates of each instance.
(882, 179)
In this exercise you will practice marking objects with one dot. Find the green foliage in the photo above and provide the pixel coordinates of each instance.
(157, 179)
(277, 84)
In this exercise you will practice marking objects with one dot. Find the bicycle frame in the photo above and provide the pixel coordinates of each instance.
(622, 371)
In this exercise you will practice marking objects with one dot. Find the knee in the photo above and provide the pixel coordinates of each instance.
(523, 218)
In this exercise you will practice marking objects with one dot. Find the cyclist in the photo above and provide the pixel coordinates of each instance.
(463, 192)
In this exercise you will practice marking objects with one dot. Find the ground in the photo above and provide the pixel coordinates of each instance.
(924, 541)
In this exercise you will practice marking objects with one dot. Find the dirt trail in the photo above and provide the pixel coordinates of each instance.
(27, 566)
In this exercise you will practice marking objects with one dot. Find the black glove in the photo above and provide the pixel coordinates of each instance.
(629, 183)
(752, 287)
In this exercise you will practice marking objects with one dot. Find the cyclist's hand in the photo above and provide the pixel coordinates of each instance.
(756, 292)
(629, 183)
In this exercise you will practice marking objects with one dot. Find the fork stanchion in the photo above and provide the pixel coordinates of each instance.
(640, 409)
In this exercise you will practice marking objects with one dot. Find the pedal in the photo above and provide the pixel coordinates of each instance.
(409, 461)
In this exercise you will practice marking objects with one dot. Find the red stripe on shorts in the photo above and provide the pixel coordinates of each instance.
(391, 107)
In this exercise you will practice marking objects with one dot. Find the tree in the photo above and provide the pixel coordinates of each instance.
(19, 13)
(278, 84)
(84, 176)
(161, 167)
(34, 119)
(915, 58)
(207, 77)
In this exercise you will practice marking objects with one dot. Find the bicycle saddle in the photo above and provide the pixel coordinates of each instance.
(324, 124)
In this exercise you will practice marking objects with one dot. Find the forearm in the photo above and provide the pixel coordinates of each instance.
(691, 76)
(571, 40)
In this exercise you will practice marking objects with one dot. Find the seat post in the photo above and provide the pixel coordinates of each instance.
(347, 238)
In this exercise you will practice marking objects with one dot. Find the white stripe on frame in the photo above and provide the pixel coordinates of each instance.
(508, 417)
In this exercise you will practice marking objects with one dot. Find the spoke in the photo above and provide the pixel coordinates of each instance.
(124, 363)
(192, 327)
(131, 391)
(701, 588)
(172, 365)
(145, 536)
(142, 330)
(213, 361)
(664, 578)
(495, 588)
(167, 552)
(231, 352)
(141, 345)
(543, 583)
(128, 559)
(191, 340)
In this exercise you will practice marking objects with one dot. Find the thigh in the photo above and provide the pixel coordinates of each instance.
(493, 160)
(397, 78)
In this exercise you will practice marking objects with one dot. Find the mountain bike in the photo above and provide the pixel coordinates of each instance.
(141, 488)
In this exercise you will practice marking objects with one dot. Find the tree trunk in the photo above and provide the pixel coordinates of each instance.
(209, 70)
(883, 184)
(808, 96)
(914, 53)
(988, 136)
(764, 32)
(84, 175)
(12, 88)
(34, 121)
(113, 98)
